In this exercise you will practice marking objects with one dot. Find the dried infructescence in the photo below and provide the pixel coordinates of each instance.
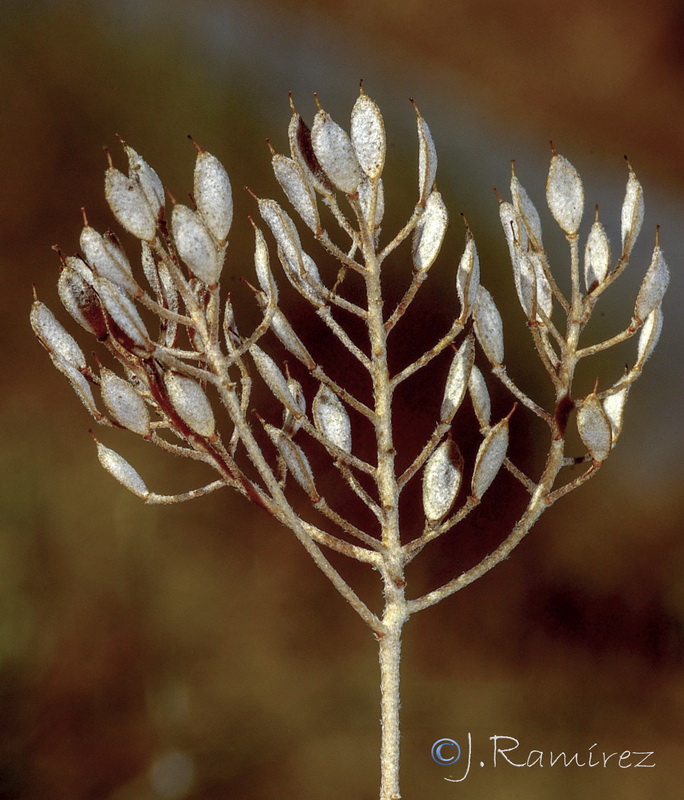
(174, 387)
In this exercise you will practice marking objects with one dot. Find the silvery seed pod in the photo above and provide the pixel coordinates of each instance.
(468, 275)
(54, 337)
(653, 286)
(525, 283)
(457, 379)
(429, 233)
(299, 191)
(335, 153)
(107, 259)
(195, 245)
(262, 266)
(213, 195)
(81, 301)
(118, 467)
(78, 383)
(331, 418)
(544, 295)
(123, 312)
(368, 136)
(148, 179)
(489, 326)
(274, 379)
(526, 211)
(290, 424)
(565, 194)
(632, 215)
(479, 396)
(190, 403)
(596, 256)
(490, 456)
(614, 408)
(296, 461)
(129, 204)
(427, 159)
(594, 427)
(442, 481)
(124, 404)
(649, 335)
(302, 152)
(289, 339)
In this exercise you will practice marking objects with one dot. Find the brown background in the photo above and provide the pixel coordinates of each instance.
(136, 638)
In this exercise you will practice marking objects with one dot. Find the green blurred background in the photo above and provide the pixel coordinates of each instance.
(194, 651)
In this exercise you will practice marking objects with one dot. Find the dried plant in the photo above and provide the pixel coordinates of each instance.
(169, 384)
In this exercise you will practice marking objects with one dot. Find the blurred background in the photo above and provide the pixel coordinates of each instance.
(194, 651)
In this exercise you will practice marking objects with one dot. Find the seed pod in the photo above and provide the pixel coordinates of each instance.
(632, 215)
(81, 301)
(457, 379)
(195, 245)
(54, 337)
(442, 481)
(274, 379)
(298, 190)
(366, 190)
(129, 204)
(296, 461)
(213, 195)
(148, 179)
(123, 312)
(290, 424)
(368, 136)
(525, 283)
(262, 267)
(303, 153)
(653, 287)
(284, 232)
(335, 153)
(479, 396)
(565, 194)
(107, 259)
(190, 403)
(331, 418)
(515, 233)
(490, 457)
(526, 211)
(78, 383)
(468, 274)
(117, 466)
(289, 339)
(594, 428)
(648, 338)
(429, 233)
(427, 159)
(596, 256)
(544, 295)
(489, 326)
(614, 408)
(124, 403)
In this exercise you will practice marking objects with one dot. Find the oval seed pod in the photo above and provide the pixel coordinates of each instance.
(489, 326)
(284, 232)
(213, 195)
(526, 211)
(653, 286)
(124, 403)
(123, 312)
(368, 136)
(515, 233)
(525, 283)
(596, 256)
(289, 339)
(195, 245)
(457, 379)
(468, 274)
(298, 190)
(490, 456)
(614, 407)
(118, 467)
(190, 403)
(648, 338)
(594, 427)
(129, 205)
(274, 379)
(632, 215)
(81, 301)
(296, 461)
(290, 424)
(479, 396)
(107, 259)
(262, 266)
(544, 295)
(335, 153)
(78, 383)
(331, 418)
(565, 194)
(148, 179)
(428, 235)
(54, 337)
(442, 481)
(302, 151)
(427, 158)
